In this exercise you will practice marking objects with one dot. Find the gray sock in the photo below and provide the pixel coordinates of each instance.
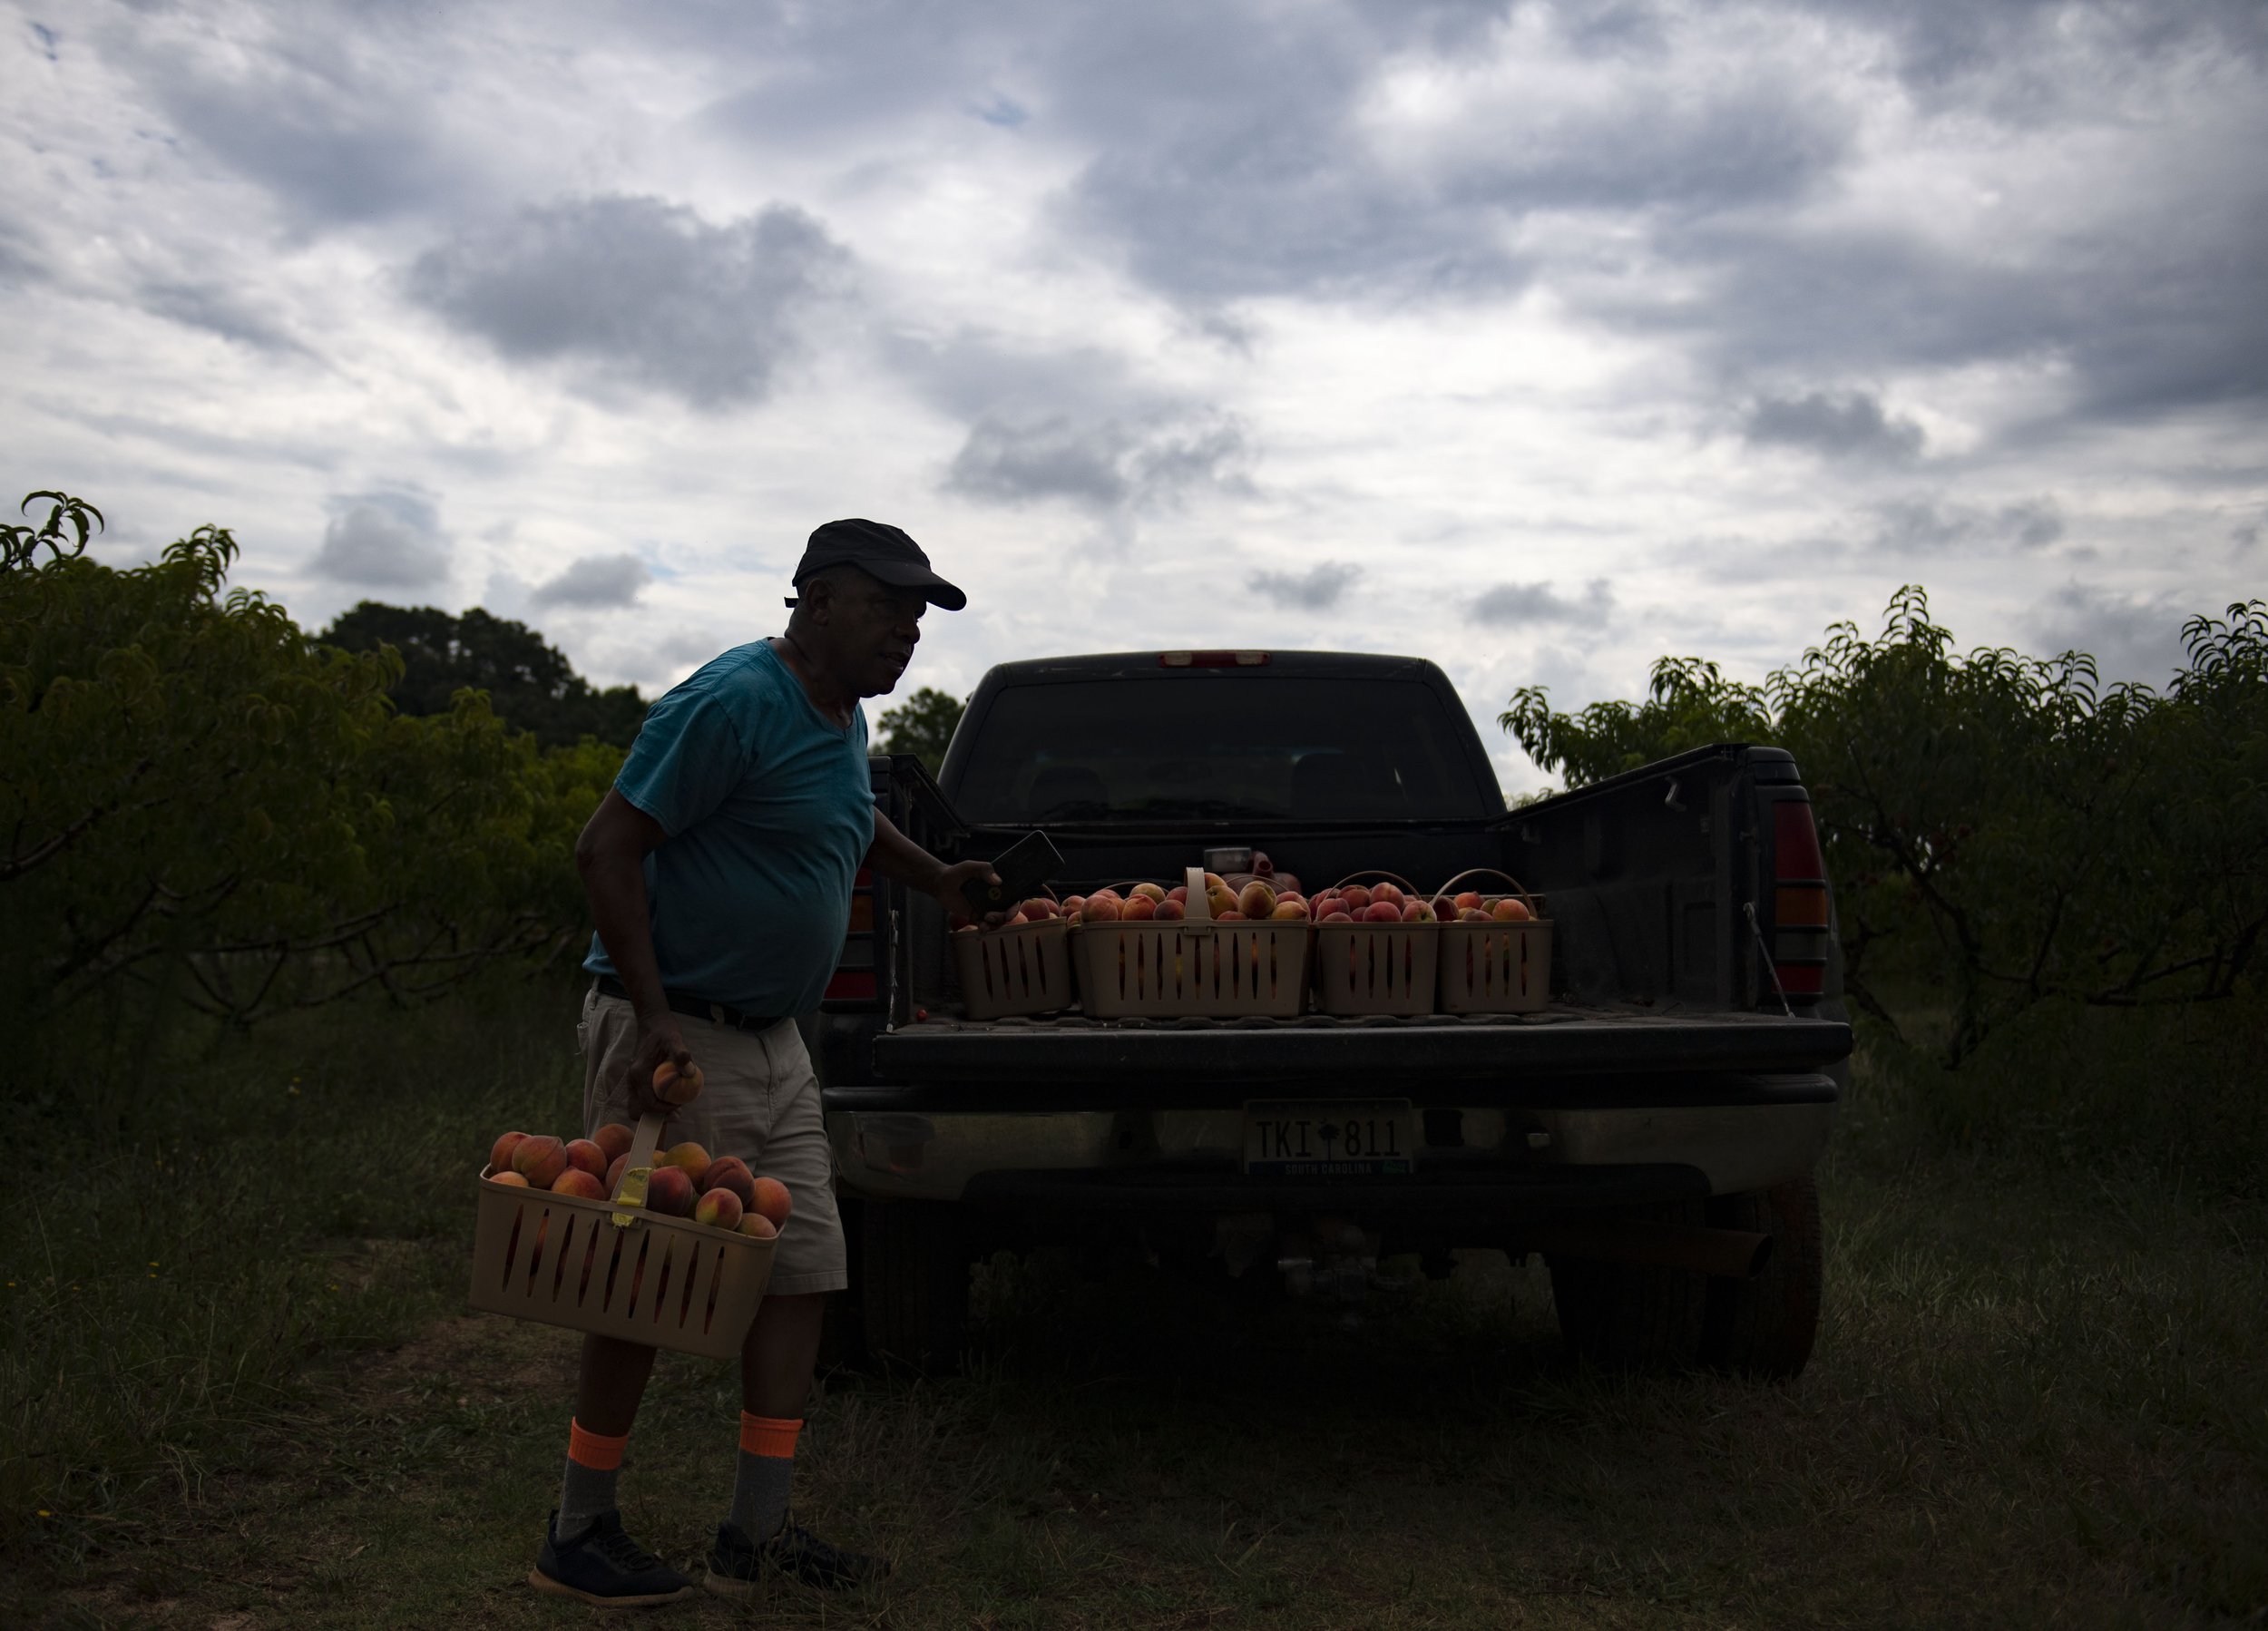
(587, 1492)
(761, 1487)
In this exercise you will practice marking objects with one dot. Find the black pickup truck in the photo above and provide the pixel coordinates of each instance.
(1652, 1130)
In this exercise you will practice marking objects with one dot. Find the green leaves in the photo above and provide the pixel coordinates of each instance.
(923, 724)
(196, 785)
(2002, 829)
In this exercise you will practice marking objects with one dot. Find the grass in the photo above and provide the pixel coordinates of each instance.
(2040, 1397)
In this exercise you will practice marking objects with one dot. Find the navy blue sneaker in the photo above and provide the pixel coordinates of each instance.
(603, 1565)
(735, 1563)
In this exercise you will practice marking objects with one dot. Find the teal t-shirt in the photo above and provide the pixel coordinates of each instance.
(769, 812)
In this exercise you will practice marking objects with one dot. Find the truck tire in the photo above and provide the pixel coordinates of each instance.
(1764, 1327)
(1628, 1316)
(914, 1284)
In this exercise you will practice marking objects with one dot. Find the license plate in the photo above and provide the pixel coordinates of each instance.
(1336, 1138)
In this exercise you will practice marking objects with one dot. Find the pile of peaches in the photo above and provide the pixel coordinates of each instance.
(685, 1182)
(1245, 898)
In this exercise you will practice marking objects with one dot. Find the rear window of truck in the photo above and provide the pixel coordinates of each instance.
(1281, 748)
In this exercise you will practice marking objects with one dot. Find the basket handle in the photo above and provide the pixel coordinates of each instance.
(1197, 909)
(631, 1198)
(1519, 888)
(1379, 872)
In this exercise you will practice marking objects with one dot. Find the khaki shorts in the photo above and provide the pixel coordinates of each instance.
(759, 1100)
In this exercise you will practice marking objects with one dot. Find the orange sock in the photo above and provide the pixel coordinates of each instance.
(594, 1464)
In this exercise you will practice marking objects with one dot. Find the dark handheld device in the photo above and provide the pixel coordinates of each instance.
(1022, 867)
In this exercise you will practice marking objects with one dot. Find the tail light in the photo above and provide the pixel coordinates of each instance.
(1800, 925)
(856, 982)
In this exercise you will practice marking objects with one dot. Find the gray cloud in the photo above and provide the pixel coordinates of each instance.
(1316, 590)
(644, 288)
(602, 581)
(2131, 638)
(383, 541)
(1516, 605)
(216, 309)
(1845, 424)
(1098, 463)
(1924, 526)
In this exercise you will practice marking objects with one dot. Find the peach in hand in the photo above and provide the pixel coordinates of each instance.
(674, 1086)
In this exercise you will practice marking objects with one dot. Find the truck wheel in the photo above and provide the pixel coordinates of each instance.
(1628, 1316)
(1764, 1327)
(913, 1282)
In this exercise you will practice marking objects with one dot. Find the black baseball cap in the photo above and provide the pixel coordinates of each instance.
(883, 552)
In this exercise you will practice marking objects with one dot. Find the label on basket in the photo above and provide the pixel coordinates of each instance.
(1330, 1139)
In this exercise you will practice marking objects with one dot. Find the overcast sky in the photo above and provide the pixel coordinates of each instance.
(1538, 339)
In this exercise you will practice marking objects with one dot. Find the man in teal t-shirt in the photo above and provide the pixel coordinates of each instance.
(720, 871)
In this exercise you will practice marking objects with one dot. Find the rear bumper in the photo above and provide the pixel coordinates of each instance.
(1531, 1151)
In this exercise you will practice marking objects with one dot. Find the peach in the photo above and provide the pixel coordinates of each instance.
(1382, 912)
(1140, 910)
(674, 1086)
(1290, 911)
(1354, 897)
(1231, 916)
(1013, 922)
(1444, 909)
(692, 1157)
(1213, 881)
(582, 1185)
(1473, 915)
(756, 1227)
(614, 1139)
(1388, 892)
(1152, 892)
(1286, 884)
(1418, 911)
(1179, 891)
(719, 1209)
(500, 1152)
(1466, 898)
(1074, 903)
(540, 1160)
(1169, 912)
(511, 1179)
(1510, 910)
(670, 1192)
(620, 1164)
(1256, 900)
(1220, 901)
(730, 1172)
(1038, 906)
(773, 1201)
(1336, 917)
(584, 1155)
(1101, 909)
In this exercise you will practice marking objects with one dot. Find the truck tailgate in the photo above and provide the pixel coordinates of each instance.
(1088, 1058)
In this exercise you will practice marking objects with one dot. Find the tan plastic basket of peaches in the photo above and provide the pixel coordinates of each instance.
(1170, 954)
(679, 1258)
(1496, 951)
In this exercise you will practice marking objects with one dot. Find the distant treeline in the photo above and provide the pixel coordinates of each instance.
(530, 685)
